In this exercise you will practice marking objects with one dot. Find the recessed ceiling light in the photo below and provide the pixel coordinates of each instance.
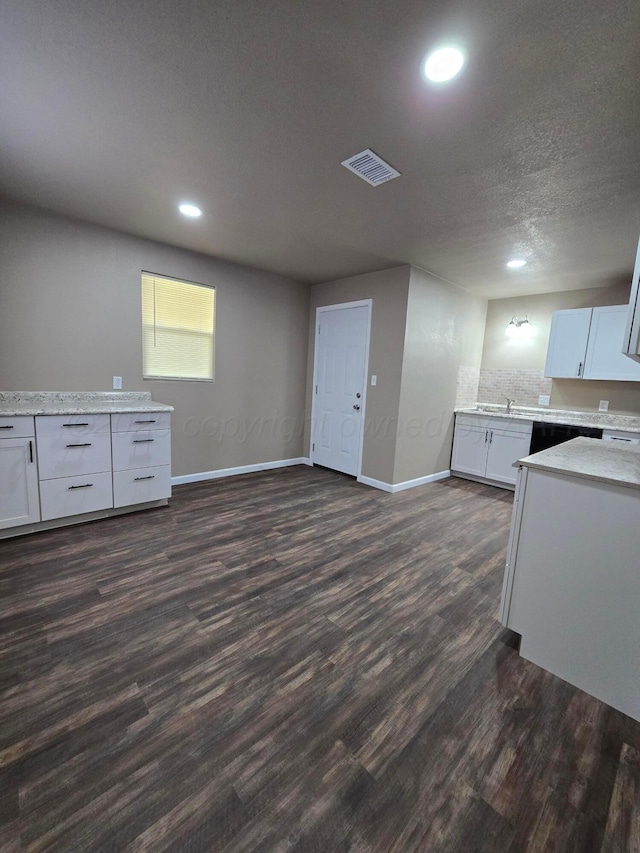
(443, 64)
(190, 210)
(516, 263)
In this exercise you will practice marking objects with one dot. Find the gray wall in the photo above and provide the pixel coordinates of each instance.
(575, 394)
(389, 291)
(444, 330)
(422, 330)
(70, 319)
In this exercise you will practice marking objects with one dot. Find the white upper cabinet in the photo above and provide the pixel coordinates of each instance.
(568, 343)
(605, 359)
(587, 343)
(631, 341)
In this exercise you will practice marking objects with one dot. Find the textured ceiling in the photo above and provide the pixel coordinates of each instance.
(114, 110)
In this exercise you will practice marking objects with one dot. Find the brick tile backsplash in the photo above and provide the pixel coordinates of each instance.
(525, 386)
(467, 388)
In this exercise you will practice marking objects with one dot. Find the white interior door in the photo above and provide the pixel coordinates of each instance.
(341, 368)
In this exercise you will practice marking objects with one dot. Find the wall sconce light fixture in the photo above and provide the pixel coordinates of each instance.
(519, 328)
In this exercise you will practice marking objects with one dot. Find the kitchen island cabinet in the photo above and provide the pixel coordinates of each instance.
(572, 586)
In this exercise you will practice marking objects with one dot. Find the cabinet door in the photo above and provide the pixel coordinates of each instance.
(605, 359)
(631, 345)
(505, 448)
(470, 446)
(508, 614)
(19, 502)
(568, 343)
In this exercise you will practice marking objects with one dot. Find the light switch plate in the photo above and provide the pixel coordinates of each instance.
(544, 399)
(374, 379)
(117, 383)
(604, 406)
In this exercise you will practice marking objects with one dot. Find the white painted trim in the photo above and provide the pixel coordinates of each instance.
(360, 303)
(242, 469)
(407, 484)
(69, 520)
(464, 476)
(377, 484)
(421, 481)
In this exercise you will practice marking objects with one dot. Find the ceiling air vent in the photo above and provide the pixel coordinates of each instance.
(370, 168)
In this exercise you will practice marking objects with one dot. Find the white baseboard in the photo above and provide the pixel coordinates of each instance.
(242, 469)
(377, 484)
(408, 484)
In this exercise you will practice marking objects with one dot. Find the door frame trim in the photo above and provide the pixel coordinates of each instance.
(320, 310)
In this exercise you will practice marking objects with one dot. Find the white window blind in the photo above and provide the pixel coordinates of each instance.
(178, 320)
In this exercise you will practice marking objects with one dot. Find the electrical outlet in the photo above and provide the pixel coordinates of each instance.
(374, 379)
(544, 399)
(604, 406)
(117, 383)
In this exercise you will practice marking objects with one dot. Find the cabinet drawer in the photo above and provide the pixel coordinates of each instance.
(67, 455)
(72, 425)
(141, 449)
(140, 420)
(16, 427)
(75, 495)
(141, 484)
(497, 424)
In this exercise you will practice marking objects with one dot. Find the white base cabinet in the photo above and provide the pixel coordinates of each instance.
(19, 502)
(74, 453)
(80, 467)
(141, 459)
(487, 448)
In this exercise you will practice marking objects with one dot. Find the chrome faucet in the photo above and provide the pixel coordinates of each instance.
(509, 404)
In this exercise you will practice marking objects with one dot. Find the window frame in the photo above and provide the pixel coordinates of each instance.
(188, 282)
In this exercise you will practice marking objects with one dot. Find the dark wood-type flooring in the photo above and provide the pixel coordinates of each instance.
(293, 661)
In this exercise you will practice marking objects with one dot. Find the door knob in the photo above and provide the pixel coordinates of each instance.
(356, 407)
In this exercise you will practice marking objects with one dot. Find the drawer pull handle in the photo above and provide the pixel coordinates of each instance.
(150, 477)
(30, 450)
(86, 444)
(72, 425)
(86, 486)
(142, 440)
(8, 426)
(145, 422)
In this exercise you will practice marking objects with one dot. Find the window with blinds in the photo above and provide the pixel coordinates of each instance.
(178, 322)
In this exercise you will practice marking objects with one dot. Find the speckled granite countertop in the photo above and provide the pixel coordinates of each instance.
(590, 459)
(77, 403)
(599, 420)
